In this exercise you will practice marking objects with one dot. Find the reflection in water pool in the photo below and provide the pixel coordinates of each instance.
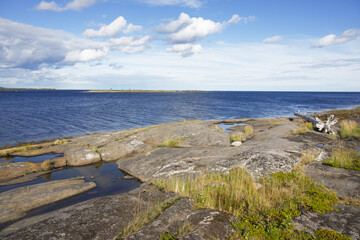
(226, 126)
(39, 158)
(108, 178)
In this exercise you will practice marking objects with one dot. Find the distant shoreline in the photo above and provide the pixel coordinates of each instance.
(142, 91)
(22, 89)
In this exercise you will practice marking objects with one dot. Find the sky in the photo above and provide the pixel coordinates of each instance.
(227, 45)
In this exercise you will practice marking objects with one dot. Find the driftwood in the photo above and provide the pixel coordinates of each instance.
(320, 125)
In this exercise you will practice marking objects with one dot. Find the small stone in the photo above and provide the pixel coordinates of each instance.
(236, 144)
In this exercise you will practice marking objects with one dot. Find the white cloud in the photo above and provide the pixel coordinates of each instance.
(75, 5)
(110, 30)
(114, 28)
(332, 39)
(185, 50)
(188, 30)
(85, 55)
(273, 39)
(185, 3)
(237, 19)
(132, 28)
(29, 47)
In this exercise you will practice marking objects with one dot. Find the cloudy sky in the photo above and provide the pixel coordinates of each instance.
(240, 45)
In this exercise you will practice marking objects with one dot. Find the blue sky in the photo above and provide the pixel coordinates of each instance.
(242, 45)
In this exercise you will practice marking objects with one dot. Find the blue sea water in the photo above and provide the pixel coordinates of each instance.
(39, 115)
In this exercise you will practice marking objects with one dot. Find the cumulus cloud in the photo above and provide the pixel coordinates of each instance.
(114, 28)
(185, 50)
(185, 3)
(85, 55)
(110, 30)
(75, 5)
(188, 30)
(273, 39)
(332, 39)
(28, 47)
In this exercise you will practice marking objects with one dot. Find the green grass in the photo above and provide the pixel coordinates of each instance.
(248, 131)
(265, 212)
(242, 136)
(344, 158)
(349, 128)
(324, 234)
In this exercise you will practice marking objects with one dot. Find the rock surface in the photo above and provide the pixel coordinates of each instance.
(15, 203)
(345, 219)
(14, 170)
(344, 182)
(195, 224)
(267, 152)
(100, 218)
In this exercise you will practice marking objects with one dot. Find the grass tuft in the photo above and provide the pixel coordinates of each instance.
(304, 128)
(46, 165)
(344, 158)
(237, 137)
(62, 141)
(349, 128)
(171, 142)
(265, 212)
(248, 131)
(325, 234)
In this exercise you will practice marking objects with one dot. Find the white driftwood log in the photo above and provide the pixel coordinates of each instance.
(320, 125)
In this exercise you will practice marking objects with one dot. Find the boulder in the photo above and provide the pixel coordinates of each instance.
(15, 203)
(78, 156)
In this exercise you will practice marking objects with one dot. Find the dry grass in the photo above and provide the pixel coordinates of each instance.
(237, 137)
(265, 212)
(171, 142)
(304, 128)
(308, 156)
(46, 165)
(248, 131)
(344, 158)
(61, 141)
(349, 128)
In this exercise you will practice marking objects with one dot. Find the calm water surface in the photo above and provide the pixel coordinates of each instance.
(39, 115)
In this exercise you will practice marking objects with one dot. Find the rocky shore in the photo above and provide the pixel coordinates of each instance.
(150, 154)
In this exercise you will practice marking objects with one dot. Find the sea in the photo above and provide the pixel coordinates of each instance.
(36, 115)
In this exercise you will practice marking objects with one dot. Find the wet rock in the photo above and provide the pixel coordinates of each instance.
(78, 156)
(15, 203)
(344, 182)
(210, 138)
(204, 223)
(100, 218)
(27, 178)
(345, 219)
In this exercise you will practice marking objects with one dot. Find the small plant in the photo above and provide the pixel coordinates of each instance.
(167, 236)
(237, 137)
(248, 131)
(344, 158)
(349, 128)
(171, 142)
(62, 141)
(304, 128)
(46, 165)
(307, 157)
(325, 234)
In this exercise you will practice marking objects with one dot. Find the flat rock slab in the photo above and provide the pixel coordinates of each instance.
(210, 138)
(344, 182)
(265, 153)
(345, 219)
(10, 170)
(99, 218)
(15, 203)
(198, 224)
